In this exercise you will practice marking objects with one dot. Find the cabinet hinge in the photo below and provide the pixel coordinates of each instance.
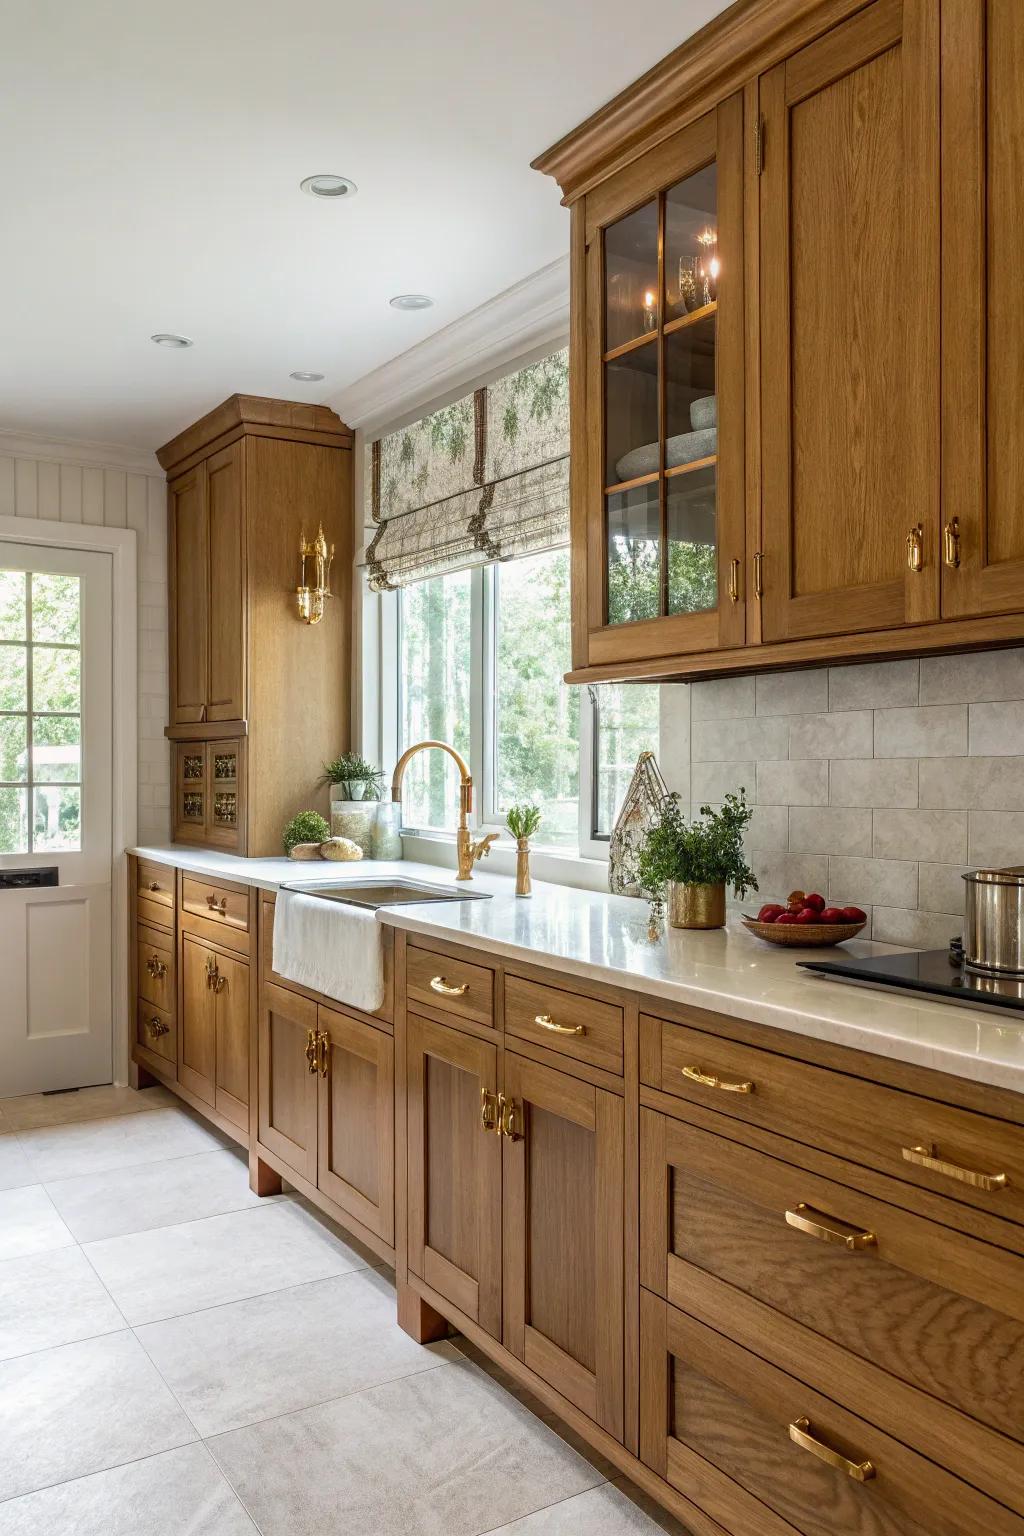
(759, 146)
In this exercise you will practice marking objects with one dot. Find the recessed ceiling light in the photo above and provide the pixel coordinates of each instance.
(306, 378)
(329, 186)
(411, 301)
(169, 339)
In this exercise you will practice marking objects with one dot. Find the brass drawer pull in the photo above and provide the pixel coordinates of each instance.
(815, 1224)
(951, 543)
(156, 967)
(915, 548)
(213, 977)
(708, 1080)
(490, 1114)
(323, 1052)
(510, 1115)
(734, 581)
(446, 988)
(156, 1027)
(925, 1157)
(800, 1434)
(215, 905)
(759, 575)
(154, 885)
(311, 1051)
(547, 1022)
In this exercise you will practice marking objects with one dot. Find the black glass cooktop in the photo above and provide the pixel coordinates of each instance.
(938, 973)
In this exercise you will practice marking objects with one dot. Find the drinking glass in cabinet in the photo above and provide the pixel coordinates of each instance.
(631, 277)
(634, 554)
(691, 244)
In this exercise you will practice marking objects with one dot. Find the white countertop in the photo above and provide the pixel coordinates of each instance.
(604, 938)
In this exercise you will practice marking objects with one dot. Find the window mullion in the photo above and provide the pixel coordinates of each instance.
(479, 706)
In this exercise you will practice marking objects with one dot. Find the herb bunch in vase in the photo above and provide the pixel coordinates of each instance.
(685, 866)
(523, 821)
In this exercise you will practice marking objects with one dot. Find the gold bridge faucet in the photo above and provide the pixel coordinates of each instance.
(468, 851)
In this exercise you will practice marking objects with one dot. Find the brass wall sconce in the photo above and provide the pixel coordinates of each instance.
(310, 601)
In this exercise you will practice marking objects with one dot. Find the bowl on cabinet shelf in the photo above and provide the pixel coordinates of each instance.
(684, 448)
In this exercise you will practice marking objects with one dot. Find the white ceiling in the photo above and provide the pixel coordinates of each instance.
(150, 156)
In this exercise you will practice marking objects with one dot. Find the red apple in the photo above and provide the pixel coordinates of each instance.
(808, 915)
(815, 901)
(769, 912)
(786, 917)
(832, 915)
(854, 915)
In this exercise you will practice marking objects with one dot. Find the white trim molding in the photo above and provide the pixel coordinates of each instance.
(23, 445)
(530, 317)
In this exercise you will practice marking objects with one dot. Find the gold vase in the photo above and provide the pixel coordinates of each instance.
(696, 906)
(523, 885)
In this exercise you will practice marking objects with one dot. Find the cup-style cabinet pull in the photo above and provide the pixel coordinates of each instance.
(709, 1080)
(805, 1219)
(155, 1027)
(926, 1157)
(214, 905)
(547, 1022)
(447, 988)
(800, 1434)
(311, 1052)
(156, 967)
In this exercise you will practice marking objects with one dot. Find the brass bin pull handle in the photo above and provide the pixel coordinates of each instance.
(446, 988)
(708, 1080)
(156, 1027)
(925, 1157)
(806, 1219)
(311, 1051)
(214, 905)
(547, 1022)
(800, 1434)
(490, 1115)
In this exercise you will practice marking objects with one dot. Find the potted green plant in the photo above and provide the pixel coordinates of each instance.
(523, 821)
(306, 830)
(354, 777)
(687, 864)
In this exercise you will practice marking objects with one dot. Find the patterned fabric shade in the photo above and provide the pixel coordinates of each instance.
(484, 479)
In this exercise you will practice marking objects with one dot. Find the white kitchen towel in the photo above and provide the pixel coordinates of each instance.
(330, 948)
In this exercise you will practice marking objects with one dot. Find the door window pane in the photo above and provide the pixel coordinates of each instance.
(536, 714)
(434, 673)
(55, 608)
(55, 678)
(56, 819)
(13, 820)
(13, 749)
(13, 677)
(13, 611)
(57, 749)
(626, 723)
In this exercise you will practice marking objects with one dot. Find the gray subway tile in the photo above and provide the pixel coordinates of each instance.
(941, 888)
(711, 782)
(769, 828)
(722, 698)
(914, 930)
(779, 873)
(740, 740)
(935, 730)
(968, 679)
(997, 730)
(880, 783)
(973, 783)
(870, 882)
(791, 693)
(996, 838)
(829, 829)
(935, 836)
(803, 783)
(847, 733)
(874, 685)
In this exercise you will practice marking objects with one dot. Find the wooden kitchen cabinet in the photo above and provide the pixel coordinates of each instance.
(288, 1099)
(213, 1037)
(189, 571)
(197, 1034)
(454, 1168)
(562, 1205)
(356, 1120)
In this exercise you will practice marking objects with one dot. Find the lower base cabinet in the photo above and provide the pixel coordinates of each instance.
(326, 1104)
(213, 1041)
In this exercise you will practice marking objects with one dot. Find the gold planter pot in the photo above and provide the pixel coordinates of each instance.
(696, 906)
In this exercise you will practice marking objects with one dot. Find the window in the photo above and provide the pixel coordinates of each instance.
(40, 713)
(479, 662)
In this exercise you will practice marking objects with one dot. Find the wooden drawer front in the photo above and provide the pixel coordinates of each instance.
(936, 1309)
(466, 991)
(220, 904)
(851, 1118)
(155, 1030)
(155, 884)
(156, 967)
(733, 1432)
(576, 1026)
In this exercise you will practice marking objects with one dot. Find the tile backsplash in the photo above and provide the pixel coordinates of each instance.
(875, 784)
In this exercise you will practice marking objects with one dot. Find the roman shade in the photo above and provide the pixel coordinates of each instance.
(486, 478)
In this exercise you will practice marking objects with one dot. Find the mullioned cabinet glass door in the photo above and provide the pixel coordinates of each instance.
(665, 397)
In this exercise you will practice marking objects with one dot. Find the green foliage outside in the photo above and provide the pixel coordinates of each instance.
(705, 851)
(634, 579)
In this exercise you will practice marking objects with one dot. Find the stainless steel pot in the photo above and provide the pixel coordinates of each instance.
(994, 926)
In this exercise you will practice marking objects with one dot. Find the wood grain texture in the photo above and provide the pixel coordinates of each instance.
(428, 968)
(601, 1041)
(356, 1115)
(197, 1027)
(189, 598)
(287, 1120)
(232, 1040)
(155, 949)
(254, 413)
(225, 688)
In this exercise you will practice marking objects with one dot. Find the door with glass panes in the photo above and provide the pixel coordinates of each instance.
(664, 510)
(55, 815)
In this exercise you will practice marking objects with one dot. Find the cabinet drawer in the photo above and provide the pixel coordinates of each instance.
(154, 1029)
(155, 952)
(973, 1159)
(462, 989)
(219, 903)
(154, 888)
(932, 1307)
(573, 1025)
(762, 1451)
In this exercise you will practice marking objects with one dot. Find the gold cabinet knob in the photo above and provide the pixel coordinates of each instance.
(156, 967)
(156, 1027)
(154, 885)
(214, 905)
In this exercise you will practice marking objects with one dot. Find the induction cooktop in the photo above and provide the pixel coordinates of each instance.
(938, 973)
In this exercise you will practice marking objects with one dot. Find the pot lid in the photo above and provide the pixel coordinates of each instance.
(1014, 875)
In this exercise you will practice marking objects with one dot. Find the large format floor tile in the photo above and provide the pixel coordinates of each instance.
(93, 1146)
(444, 1453)
(149, 1195)
(15, 1168)
(32, 1110)
(600, 1511)
(52, 1298)
(234, 1365)
(29, 1223)
(175, 1493)
(67, 1412)
(174, 1270)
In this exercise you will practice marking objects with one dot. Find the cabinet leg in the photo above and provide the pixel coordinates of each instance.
(262, 1178)
(419, 1318)
(138, 1077)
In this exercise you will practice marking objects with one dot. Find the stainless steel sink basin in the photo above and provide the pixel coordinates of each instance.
(385, 893)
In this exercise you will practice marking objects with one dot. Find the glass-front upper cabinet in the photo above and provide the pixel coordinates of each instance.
(664, 513)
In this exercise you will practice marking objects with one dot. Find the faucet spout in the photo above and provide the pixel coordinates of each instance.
(464, 843)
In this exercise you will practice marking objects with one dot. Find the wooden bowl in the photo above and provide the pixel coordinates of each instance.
(802, 935)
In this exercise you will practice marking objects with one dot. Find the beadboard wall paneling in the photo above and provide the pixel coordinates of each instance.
(876, 784)
(66, 492)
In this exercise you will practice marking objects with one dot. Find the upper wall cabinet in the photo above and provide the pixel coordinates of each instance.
(207, 600)
(796, 330)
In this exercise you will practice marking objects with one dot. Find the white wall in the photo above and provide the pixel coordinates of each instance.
(71, 483)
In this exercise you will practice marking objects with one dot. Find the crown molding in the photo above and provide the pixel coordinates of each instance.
(530, 315)
(24, 445)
